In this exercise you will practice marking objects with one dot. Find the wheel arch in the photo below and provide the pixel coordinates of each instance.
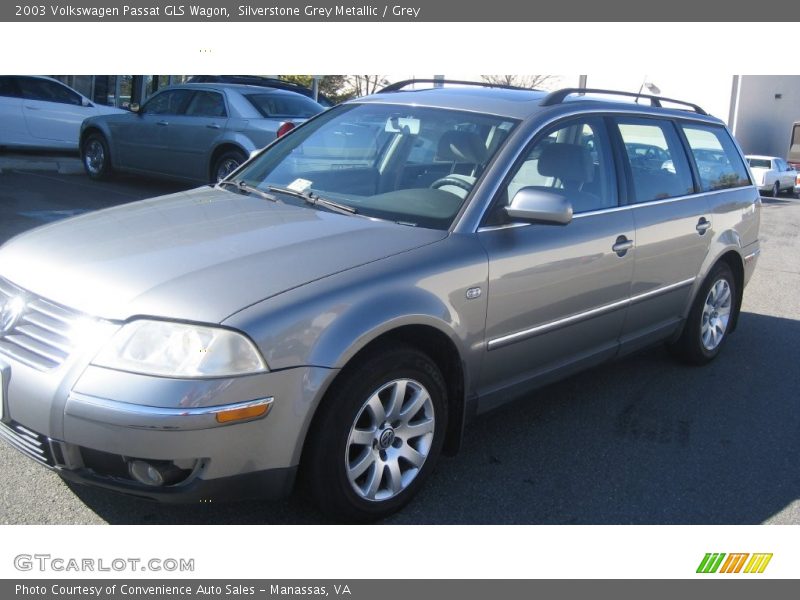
(219, 150)
(730, 255)
(95, 128)
(436, 344)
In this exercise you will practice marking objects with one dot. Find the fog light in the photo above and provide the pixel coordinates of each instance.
(155, 474)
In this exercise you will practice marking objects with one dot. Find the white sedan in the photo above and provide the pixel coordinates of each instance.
(772, 174)
(40, 112)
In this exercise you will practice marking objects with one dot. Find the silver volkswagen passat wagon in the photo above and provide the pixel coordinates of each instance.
(346, 301)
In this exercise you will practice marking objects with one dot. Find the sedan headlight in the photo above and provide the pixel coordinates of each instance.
(180, 350)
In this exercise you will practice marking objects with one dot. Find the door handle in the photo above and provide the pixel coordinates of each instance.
(32, 107)
(162, 123)
(213, 126)
(703, 225)
(622, 245)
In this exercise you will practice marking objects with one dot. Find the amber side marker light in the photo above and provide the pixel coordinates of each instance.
(240, 414)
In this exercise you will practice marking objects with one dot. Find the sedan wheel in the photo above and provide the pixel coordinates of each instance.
(96, 158)
(377, 435)
(776, 189)
(226, 164)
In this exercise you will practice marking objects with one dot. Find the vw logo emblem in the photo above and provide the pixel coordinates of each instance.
(10, 313)
(386, 439)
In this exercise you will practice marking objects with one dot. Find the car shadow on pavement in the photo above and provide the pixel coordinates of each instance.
(643, 440)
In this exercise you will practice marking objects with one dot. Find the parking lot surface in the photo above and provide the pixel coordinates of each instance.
(642, 440)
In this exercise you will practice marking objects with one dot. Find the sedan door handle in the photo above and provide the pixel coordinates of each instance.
(213, 126)
(32, 107)
(162, 123)
(703, 225)
(622, 245)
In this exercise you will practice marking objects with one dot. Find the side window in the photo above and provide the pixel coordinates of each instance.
(716, 157)
(658, 164)
(572, 159)
(206, 104)
(8, 87)
(166, 103)
(49, 91)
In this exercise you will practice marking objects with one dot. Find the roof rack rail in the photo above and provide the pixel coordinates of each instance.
(559, 96)
(399, 85)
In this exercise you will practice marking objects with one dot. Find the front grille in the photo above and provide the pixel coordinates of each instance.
(30, 443)
(41, 337)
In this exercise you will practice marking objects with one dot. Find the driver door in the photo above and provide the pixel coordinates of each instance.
(142, 142)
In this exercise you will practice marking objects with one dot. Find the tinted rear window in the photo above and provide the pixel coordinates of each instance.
(759, 163)
(282, 106)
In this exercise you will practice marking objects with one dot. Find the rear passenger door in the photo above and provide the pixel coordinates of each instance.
(672, 229)
(557, 294)
(12, 123)
(194, 133)
(52, 110)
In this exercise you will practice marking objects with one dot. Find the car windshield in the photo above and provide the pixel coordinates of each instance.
(284, 105)
(759, 163)
(412, 165)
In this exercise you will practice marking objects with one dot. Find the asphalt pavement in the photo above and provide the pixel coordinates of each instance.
(643, 440)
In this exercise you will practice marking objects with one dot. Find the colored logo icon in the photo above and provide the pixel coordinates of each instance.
(719, 562)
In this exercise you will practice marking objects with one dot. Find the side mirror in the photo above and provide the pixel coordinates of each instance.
(86, 102)
(534, 205)
(134, 107)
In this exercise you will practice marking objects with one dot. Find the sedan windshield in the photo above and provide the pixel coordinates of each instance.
(411, 165)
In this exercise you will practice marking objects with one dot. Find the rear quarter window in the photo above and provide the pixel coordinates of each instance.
(718, 162)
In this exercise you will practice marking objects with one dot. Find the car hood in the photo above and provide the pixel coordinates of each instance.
(200, 255)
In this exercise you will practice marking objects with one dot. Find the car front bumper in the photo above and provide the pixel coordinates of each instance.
(90, 427)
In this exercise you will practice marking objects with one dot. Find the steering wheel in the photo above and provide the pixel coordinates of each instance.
(454, 181)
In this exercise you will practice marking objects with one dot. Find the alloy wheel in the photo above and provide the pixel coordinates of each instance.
(390, 440)
(94, 156)
(716, 314)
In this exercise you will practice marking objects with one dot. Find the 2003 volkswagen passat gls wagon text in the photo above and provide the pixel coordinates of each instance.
(342, 304)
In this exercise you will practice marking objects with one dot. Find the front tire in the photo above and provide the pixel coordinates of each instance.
(96, 157)
(710, 319)
(378, 435)
(776, 189)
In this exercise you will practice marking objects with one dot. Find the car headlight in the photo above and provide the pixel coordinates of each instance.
(180, 350)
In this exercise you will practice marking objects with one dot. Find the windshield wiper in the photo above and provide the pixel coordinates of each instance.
(248, 189)
(314, 199)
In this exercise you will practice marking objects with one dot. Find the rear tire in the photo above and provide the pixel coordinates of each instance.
(96, 157)
(776, 189)
(710, 319)
(225, 164)
(377, 436)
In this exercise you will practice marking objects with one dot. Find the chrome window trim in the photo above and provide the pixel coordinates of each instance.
(462, 222)
(614, 209)
(511, 338)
